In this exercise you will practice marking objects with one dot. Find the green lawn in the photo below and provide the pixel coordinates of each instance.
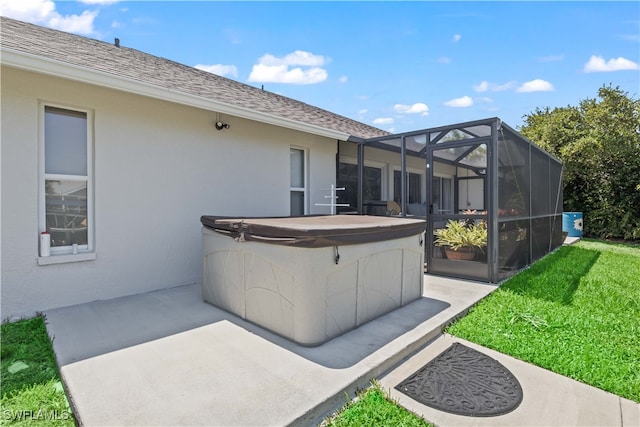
(374, 408)
(575, 312)
(32, 393)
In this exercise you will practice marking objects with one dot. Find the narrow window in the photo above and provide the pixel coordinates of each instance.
(372, 183)
(298, 181)
(372, 186)
(66, 180)
(414, 187)
(442, 195)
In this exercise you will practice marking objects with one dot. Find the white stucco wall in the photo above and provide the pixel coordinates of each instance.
(158, 167)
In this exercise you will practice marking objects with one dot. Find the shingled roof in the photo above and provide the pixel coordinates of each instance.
(137, 66)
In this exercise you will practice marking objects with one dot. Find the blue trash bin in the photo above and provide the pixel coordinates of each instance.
(572, 223)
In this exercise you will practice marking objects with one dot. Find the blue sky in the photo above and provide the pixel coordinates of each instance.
(399, 66)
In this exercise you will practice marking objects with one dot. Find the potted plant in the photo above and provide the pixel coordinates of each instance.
(461, 239)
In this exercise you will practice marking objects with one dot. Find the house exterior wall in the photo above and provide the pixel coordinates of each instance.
(158, 166)
(388, 161)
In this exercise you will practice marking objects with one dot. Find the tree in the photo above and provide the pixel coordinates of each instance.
(599, 144)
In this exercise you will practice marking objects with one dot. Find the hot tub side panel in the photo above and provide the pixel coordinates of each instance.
(302, 293)
(272, 286)
(413, 272)
(224, 267)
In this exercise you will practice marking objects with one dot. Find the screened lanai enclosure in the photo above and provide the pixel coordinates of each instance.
(481, 181)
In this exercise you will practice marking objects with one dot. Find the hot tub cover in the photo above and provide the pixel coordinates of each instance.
(315, 231)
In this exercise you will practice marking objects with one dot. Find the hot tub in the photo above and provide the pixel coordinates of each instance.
(312, 278)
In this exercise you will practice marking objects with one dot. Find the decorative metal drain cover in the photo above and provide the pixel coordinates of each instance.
(463, 381)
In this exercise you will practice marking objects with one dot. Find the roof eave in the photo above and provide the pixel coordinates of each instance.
(41, 65)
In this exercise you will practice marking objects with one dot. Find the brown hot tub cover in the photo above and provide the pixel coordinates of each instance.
(315, 231)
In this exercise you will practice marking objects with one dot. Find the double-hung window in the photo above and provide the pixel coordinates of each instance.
(298, 181)
(66, 187)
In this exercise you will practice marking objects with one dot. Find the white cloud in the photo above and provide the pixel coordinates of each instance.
(456, 38)
(383, 121)
(298, 57)
(28, 10)
(536, 85)
(43, 12)
(363, 112)
(418, 108)
(343, 79)
(597, 64)
(219, 69)
(485, 86)
(464, 101)
(82, 24)
(444, 60)
(277, 70)
(482, 87)
(282, 74)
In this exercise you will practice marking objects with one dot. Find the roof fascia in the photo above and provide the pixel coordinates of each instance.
(38, 64)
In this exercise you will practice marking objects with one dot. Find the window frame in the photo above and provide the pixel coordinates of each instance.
(410, 171)
(305, 179)
(451, 179)
(384, 181)
(65, 253)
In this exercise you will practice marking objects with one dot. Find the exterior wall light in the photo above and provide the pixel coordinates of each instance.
(220, 125)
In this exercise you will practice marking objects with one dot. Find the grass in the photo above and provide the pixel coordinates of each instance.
(32, 393)
(373, 407)
(575, 312)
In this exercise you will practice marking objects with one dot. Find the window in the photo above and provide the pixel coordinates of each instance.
(298, 181)
(471, 193)
(442, 195)
(414, 187)
(348, 178)
(66, 208)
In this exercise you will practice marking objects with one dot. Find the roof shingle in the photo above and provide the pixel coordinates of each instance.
(135, 65)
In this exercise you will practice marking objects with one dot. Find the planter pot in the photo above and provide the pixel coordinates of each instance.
(463, 254)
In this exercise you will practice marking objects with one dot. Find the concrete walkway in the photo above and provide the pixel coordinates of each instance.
(167, 358)
(548, 400)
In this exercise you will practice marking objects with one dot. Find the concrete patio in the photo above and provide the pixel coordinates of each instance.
(167, 358)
